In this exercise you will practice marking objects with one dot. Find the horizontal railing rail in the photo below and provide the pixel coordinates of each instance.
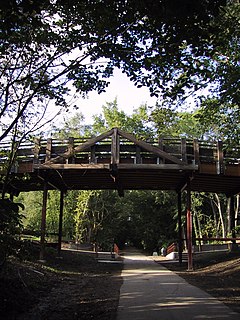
(190, 151)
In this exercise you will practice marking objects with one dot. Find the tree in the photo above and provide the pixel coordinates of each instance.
(137, 123)
(157, 44)
(221, 121)
(174, 123)
(146, 219)
(48, 45)
(96, 216)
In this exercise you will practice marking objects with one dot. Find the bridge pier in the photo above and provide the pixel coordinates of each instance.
(43, 222)
(60, 222)
(180, 246)
(189, 229)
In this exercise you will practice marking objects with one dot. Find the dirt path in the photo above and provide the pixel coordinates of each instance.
(75, 287)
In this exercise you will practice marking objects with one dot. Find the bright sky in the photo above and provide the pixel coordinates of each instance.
(128, 96)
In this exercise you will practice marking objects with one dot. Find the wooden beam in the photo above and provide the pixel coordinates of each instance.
(36, 150)
(217, 239)
(93, 158)
(196, 151)
(220, 162)
(82, 147)
(48, 150)
(71, 150)
(148, 147)
(122, 166)
(138, 155)
(50, 183)
(115, 147)
(161, 166)
(43, 222)
(161, 147)
(77, 166)
(184, 182)
(60, 222)
(184, 150)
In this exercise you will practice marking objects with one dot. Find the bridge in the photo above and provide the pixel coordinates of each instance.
(118, 160)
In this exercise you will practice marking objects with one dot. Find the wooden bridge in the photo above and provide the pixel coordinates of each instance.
(117, 160)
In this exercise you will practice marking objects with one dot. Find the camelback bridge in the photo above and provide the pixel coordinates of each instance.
(118, 160)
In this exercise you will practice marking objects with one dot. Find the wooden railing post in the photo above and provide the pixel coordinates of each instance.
(220, 162)
(93, 158)
(196, 151)
(48, 150)
(71, 158)
(184, 149)
(161, 147)
(36, 151)
(138, 155)
(115, 148)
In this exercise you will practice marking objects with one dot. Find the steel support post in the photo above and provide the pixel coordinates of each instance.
(189, 229)
(43, 222)
(60, 222)
(179, 227)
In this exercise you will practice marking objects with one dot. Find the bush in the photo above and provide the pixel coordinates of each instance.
(10, 226)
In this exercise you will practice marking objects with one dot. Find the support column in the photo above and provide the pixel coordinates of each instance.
(189, 229)
(179, 227)
(232, 219)
(60, 222)
(43, 223)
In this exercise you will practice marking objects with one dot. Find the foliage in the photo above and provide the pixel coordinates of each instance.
(221, 121)
(169, 48)
(171, 123)
(71, 127)
(95, 217)
(70, 203)
(10, 226)
(147, 219)
(32, 210)
(137, 123)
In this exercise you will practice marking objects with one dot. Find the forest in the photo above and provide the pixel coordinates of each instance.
(145, 219)
(52, 51)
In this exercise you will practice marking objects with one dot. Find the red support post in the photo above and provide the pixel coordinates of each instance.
(189, 229)
(179, 228)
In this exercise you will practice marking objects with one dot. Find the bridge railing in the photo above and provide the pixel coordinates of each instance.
(188, 150)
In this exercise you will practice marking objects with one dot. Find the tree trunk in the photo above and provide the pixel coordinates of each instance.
(216, 205)
(237, 209)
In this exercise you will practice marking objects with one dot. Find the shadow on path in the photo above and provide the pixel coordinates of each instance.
(150, 291)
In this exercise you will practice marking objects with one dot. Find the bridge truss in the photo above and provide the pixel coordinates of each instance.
(118, 160)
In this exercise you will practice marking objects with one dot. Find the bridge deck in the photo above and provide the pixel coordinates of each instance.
(117, 160)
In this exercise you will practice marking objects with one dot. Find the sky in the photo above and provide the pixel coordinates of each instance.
(128, 96)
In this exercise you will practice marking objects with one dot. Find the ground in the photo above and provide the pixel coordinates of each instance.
(74, 287)
(79, 287)
(216, 273)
